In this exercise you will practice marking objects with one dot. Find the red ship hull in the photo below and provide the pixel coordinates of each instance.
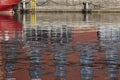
(8, 5)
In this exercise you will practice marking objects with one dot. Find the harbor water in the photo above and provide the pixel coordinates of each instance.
(60, 46)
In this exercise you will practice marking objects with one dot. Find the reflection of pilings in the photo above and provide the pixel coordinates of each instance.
(86, 61)
(12, 47)
(35, 70)
(10, 64)
(61, 35)
(33, 19)
(112, 60)
(35, 61)
(61, 38)
(60, 60)
(85, 17)
(109, 37)
(24, 24)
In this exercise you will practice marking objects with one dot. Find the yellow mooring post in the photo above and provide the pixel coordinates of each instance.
(33, 4)
(33, 20)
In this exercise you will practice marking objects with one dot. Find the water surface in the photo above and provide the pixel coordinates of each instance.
(60, 46)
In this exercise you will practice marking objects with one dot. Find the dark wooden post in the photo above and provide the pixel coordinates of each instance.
(84, 7)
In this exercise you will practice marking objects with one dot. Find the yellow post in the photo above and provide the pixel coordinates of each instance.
(33, 4)
(33, 19)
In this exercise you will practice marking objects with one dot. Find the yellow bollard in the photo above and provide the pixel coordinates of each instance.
(33, 4)
(33, 19)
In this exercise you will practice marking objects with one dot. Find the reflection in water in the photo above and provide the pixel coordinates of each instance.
(86, 60)
(110, 43)
(59, 47)
(35, 54)
(11, 53)
(35, 69)
(112, 58)
(60, 61)
(10, 36)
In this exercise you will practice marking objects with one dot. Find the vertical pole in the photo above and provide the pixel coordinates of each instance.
(87, 6)
(24, 25)
(19, 6)
(33, 18)
(23, 4)
(33, 4)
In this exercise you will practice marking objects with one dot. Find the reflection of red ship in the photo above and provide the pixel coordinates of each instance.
(9, 27)
(7, 5)
(10, 30)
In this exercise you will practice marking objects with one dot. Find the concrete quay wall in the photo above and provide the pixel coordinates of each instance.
(73, 5)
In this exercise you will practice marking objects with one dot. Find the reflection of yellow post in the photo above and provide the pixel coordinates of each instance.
(33, 18)
(33, 4)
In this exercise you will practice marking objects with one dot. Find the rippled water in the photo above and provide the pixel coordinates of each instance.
(60, 46)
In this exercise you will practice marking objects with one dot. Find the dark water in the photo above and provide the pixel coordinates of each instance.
(60, 46)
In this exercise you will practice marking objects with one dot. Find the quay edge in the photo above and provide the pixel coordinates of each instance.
(69, 10)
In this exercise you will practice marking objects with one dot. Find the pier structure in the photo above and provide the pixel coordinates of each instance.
(69, 5)
(52, 5)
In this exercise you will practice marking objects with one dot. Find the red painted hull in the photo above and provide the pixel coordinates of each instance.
(7, 5)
